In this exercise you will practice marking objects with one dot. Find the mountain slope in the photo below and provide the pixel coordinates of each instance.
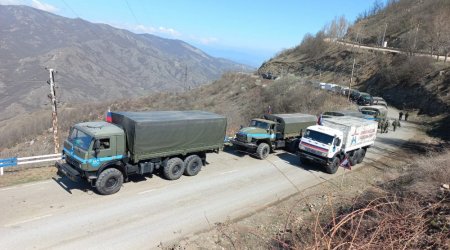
(94, 61)
(410, 81)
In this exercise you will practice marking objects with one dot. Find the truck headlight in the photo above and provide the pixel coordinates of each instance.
(302, 147)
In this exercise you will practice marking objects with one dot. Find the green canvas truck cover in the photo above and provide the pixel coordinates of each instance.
(165, 133)
(291, 124)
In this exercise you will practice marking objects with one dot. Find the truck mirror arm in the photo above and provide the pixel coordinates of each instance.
(96, 148)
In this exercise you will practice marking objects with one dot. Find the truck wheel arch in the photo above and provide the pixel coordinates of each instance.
(113, 164)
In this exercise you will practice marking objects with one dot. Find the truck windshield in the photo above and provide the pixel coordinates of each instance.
(369, 112)
(80, 139)
(259, 124)
(320, 137)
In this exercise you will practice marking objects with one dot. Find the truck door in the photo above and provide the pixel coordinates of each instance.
(277, 130)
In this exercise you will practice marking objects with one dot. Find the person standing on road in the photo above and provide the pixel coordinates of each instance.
(386, 126)
(406, 116)
(394, 124)
(400, 115)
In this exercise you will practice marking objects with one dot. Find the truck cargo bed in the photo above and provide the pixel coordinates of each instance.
(166, 133)
(357, 132)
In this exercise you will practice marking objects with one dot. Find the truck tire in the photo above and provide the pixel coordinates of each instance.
(193, 165)
(293, 146)
(263, 151)
(109, 181)
(353, 158)
(173, 169)
(333, 166)
(361, 155)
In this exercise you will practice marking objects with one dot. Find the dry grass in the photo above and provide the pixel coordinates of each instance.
(411, 212)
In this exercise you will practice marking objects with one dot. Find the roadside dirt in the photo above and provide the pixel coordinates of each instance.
(261, 228)
(18, 175)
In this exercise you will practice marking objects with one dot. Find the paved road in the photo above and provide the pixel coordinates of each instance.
(391, 50)
(146, 212)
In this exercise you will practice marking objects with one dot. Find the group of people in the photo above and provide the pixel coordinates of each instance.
(384, 124)
(400, 115)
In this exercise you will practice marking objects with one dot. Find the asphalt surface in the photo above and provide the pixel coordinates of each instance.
(59, 214)
(391, 50)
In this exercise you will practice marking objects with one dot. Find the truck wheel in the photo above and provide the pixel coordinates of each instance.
(193, 165)
(263, 151)
(333, 166)
(293, 146)
(361, 155)
(173, 169)
(353, 158)
(109, 181)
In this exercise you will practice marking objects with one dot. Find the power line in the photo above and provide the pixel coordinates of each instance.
(132, 13)
(78, 16)
(83, 21)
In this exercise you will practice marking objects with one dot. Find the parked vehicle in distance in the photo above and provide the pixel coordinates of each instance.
(336, 89)
(377, 112)
(329, 114)
(354, 95)
(338, 139)
(271, 132)
(344, 91)
(364, 99)
(268, 76)
(379, 101)
(377, 98)
(138, 143)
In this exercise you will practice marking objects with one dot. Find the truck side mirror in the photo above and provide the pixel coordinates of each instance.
(337, 142)
(96, 147)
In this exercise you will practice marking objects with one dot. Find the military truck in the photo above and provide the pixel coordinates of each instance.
(364, 99)
(342, 113)
(374, 112)
(139, 143)
(272, 131)
(340, 138)
(379, 101)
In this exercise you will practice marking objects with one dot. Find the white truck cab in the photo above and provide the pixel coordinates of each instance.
(338, 138)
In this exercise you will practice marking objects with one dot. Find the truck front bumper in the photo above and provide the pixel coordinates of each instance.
(65, 169)
(244, 144)
(315, 158)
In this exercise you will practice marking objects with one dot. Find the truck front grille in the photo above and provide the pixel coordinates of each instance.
(73, 162)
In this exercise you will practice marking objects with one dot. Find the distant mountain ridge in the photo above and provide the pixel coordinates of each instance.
(94, 61)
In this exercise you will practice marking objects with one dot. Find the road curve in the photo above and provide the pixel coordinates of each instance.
(148, 211)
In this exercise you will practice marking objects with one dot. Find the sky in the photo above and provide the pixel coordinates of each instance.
(245, 31)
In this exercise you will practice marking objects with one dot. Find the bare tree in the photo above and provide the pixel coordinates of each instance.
(337, 28)
(376, 7)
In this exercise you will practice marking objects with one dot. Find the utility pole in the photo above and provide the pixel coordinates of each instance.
(353, 66)
(415, 38)
(351, 79)
(384, 34)
(52, 96)
(185, 78)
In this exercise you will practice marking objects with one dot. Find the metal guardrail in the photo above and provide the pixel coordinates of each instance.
(15, 161)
